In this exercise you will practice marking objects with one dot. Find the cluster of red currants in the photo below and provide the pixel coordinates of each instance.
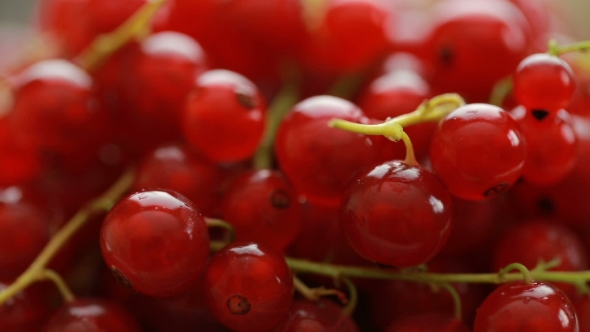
(271, 122)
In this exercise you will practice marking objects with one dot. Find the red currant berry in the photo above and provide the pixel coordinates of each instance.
(163, 74)
(318, 160)
(25, 229)
(552, 145)
(27, 311)
(20, 161)
(521, 306)
(156, 242)
(323, 315)
(55, 108)
(263, 208)
(90, 314)
(428, 323)
(396, 93)
(544, 82)
(478, 151)
(392, 229)
(248, 287)
(179, 168)
(542, 240)
(224, 117)
(474, 44)
(582, 306)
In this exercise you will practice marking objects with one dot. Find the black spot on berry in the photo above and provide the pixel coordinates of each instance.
(246, 100)
(238, 305)
(280, 199)
(539, 114)
(121, 278)
(546, 205)
(496, 190)
(446, 55)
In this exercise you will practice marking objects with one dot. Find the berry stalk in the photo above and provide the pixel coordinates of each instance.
(304, 266)
(104, 45)
(36, 270)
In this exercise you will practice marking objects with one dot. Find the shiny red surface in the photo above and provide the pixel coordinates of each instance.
(397, 215)
(478, 151)
(157, 241)
(256, 274)
(518, 306)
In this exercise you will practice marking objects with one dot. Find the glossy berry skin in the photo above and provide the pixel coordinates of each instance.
(318, 160)
(25, 229)
(397, 215)
(362, 23)
(323, 315)
(263, 208)
(474, 44)
(428, 323)
(552, 146)
(396, 93)
(155, 242)
(542, 239)
(224, 116)
(92, 315)
(27, 311)
(582, 306)
(544, 82)
(20, 159)
(163, 74)
(179, 168)
(248, 287)
(518, 306)
(478, 151)
(54, 107)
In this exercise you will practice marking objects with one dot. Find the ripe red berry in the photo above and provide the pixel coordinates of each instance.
(248, 287)
(318, 160)
(542, 240)
(224, 116)
(263, 208)
(322, 315)
(521, 306)
(92, 314)
(434, 322)
(396, 229)
(478, 151)
(544, 82)
(180, 168)
(27, 311)
(155, 242)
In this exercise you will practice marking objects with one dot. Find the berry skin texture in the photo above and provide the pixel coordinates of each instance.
(263, 208)
(544, 82)
(478, 151)
(318, 160)
(434, 322)
(520, 306)
(397, 215)
(323, 315)
(155, 242)
(248, 287)
(224, 116)
(92, 315)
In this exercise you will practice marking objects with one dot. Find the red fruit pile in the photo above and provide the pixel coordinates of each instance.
(222, 110)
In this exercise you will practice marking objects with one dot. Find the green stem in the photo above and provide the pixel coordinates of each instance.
(218, 223)
(105, 45)
(410, 155)
(314, 294)
(103, 203)
(500, 91)
(64, 290)
(280, 106)
(557, 50)
(526, 274)
(458, 307)
(353, 297)
(304, 266)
